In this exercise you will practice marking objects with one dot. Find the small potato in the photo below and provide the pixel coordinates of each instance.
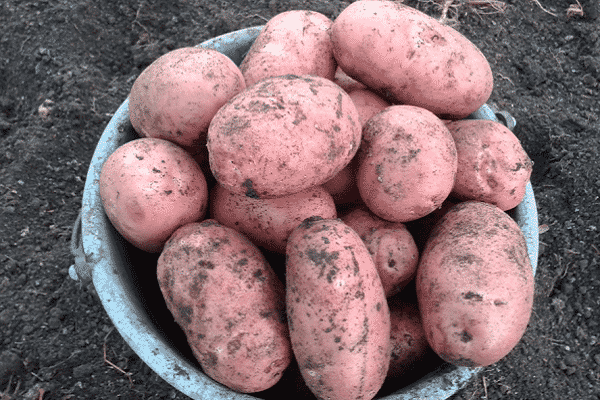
(395, 255)
(149, 188)
(337, 312)
(391, 246)
(400, 52)
(475, 285)
(492, 165)
(345, 82)
(407, 163)
(294, 42)
(230, 304)
(177, 95)
(367, 104)
(409, 343)
(282, 136)
(342, 187)
(269, 222)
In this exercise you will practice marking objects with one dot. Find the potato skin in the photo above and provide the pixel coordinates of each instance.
(492, 165)
(293, 42)
(402, 52)
(408, 340)
(229, 302)
(475, 285)
(269, 222)
(337, 312)
(407, 163)
(149, 188)
(283, 135)
(177, 95)
(367, 104)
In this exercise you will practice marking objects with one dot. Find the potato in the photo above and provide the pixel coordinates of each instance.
(367, 104)
(269, 222)
(337, 312)
(342, 187)
(177, 95)
(409, 343)
(293, 42)
(149, 188)
(407, 163)
(475, 285)
(345, 82)
(282, 136)
(492, 165)
(398, 51)
(229, 303)
(395, 255)
(391, 246)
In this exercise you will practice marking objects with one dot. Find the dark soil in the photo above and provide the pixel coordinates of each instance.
(66, 66)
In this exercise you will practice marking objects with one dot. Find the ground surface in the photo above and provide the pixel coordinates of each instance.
(66, 65)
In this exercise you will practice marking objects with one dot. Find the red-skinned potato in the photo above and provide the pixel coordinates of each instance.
(408, 340)
(407, 163)
(492, 165)
(149, 188)
(342, 187)
(283, 135)
(475, 285)
(269, 222)
(229, 303)
(177, 95)
(403, 53)
(337, 312)
(293, 42)
(367, 104)
(345, 82)
(391, 246)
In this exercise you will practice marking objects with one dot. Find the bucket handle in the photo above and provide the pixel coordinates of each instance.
(81, 270)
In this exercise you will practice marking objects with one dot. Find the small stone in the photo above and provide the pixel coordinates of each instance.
(58, 313)
(54, 323)
(571, 370)
(82, 371)
(10, 365)
(571, 359)
(589, 80)
(27, 329)
(597, 358)
(562, 365)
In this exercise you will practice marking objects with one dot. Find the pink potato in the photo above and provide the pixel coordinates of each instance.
(407, 163)
(269, 222)
(149, 188)
(294, 42)
(282, 136)
(391, 246)
(492, 165)
(177, 95)
(405, 54)
(342, 186)
(337, 312)
(409, 343)
(367, 104)
(229, 303)
(475, 285)
(345, 82)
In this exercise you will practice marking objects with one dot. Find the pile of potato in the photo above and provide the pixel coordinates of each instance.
(336, 144)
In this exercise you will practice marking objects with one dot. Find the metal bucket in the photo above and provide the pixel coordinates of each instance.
(125, 277)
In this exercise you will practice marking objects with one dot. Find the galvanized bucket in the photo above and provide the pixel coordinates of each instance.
(125, 278)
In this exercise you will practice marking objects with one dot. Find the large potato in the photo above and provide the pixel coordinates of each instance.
(269, 222)
(283, 135)
(230, 304)
(337, 312)
(475, 285)
(492, 165)
(177, 95)
(403, 53)
(293, 42)
(149, 188)
(407, 163)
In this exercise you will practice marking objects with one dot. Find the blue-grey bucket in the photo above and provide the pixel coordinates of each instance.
(125, 278)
